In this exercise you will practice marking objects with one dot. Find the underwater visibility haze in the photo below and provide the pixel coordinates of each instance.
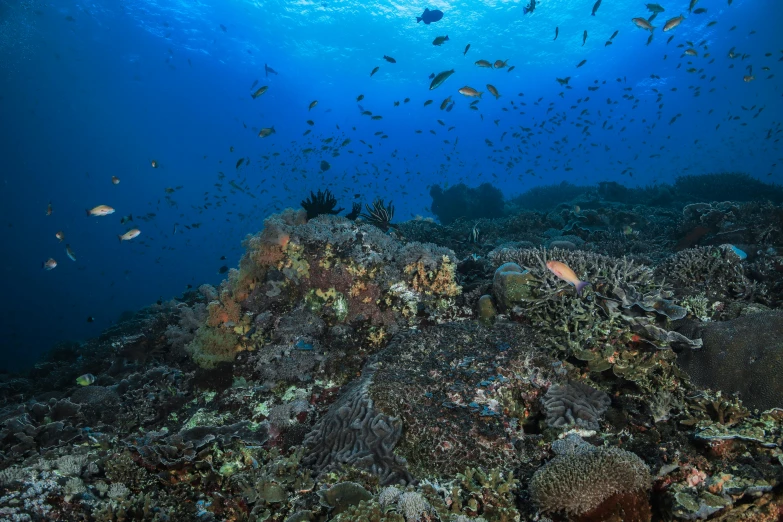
(342, 260)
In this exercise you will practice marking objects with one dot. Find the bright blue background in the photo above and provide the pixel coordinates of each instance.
(111, 90)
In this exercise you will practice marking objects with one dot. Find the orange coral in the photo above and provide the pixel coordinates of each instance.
(441, 282)
(225, 311)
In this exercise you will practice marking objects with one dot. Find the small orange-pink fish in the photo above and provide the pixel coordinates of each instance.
(564, 272)
(100, 210)
(130, 234)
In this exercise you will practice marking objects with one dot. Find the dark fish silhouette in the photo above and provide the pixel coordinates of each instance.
(223, 27)
(429, 16)
(530, 7)
(557, 31)
(389, 59)
(595, 7)
(268, 70)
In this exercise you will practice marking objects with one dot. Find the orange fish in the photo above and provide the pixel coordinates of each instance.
(130, 234)
(564, 272)
(100, 210)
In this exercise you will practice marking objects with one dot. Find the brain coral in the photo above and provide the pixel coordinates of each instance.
(578, 483)
(574, 404)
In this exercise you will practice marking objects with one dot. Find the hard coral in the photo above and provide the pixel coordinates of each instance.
(580, 482)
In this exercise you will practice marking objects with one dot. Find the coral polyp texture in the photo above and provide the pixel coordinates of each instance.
(362, 370)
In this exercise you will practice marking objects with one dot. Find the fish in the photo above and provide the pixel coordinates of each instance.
(223, 269)
(642, 23)
(431, 76)
(581, 63)
(448, 109)
(565, 273)
(240, 161)
(614, 34)
(649, 39)
(130, 234)
(255, 82)
(90, 319)
(259, 92)
(360, 97)
(690, 52)
(440, 39)
(692, 4)
(470, 92)
(49, 209)
(445, 103)
(483, 63)
(493, 91)
(608, 42)
(700, 10)
(530, 7)
(85, 380)
(584, 37)
(749, 78)
(59, 235)
(376, 117)
(557, 31)
(429, 17)
(268, 70)
(466, 50)
(563, 81)
(100, 210)
(374, 71)
(595, 7)
(672, 23)
(266, 131)
(654, 8)
(312, 105)
(499, 64)
(325, 166)
(115, 180)
(69, 253)
(49, 264)
(154, 164)
(389, 59)
(511, 68)
(440, 78)
(125, 219)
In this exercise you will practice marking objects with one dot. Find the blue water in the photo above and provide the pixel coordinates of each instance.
(99, 89)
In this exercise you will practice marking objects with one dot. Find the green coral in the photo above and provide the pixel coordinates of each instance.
(212, 346)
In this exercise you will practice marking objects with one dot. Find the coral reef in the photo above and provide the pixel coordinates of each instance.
(355, 370)
(462, 202)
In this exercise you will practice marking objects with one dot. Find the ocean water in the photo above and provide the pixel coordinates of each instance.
(99, 89)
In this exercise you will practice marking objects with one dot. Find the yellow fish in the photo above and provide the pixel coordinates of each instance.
(85, 380)
(564, 272)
